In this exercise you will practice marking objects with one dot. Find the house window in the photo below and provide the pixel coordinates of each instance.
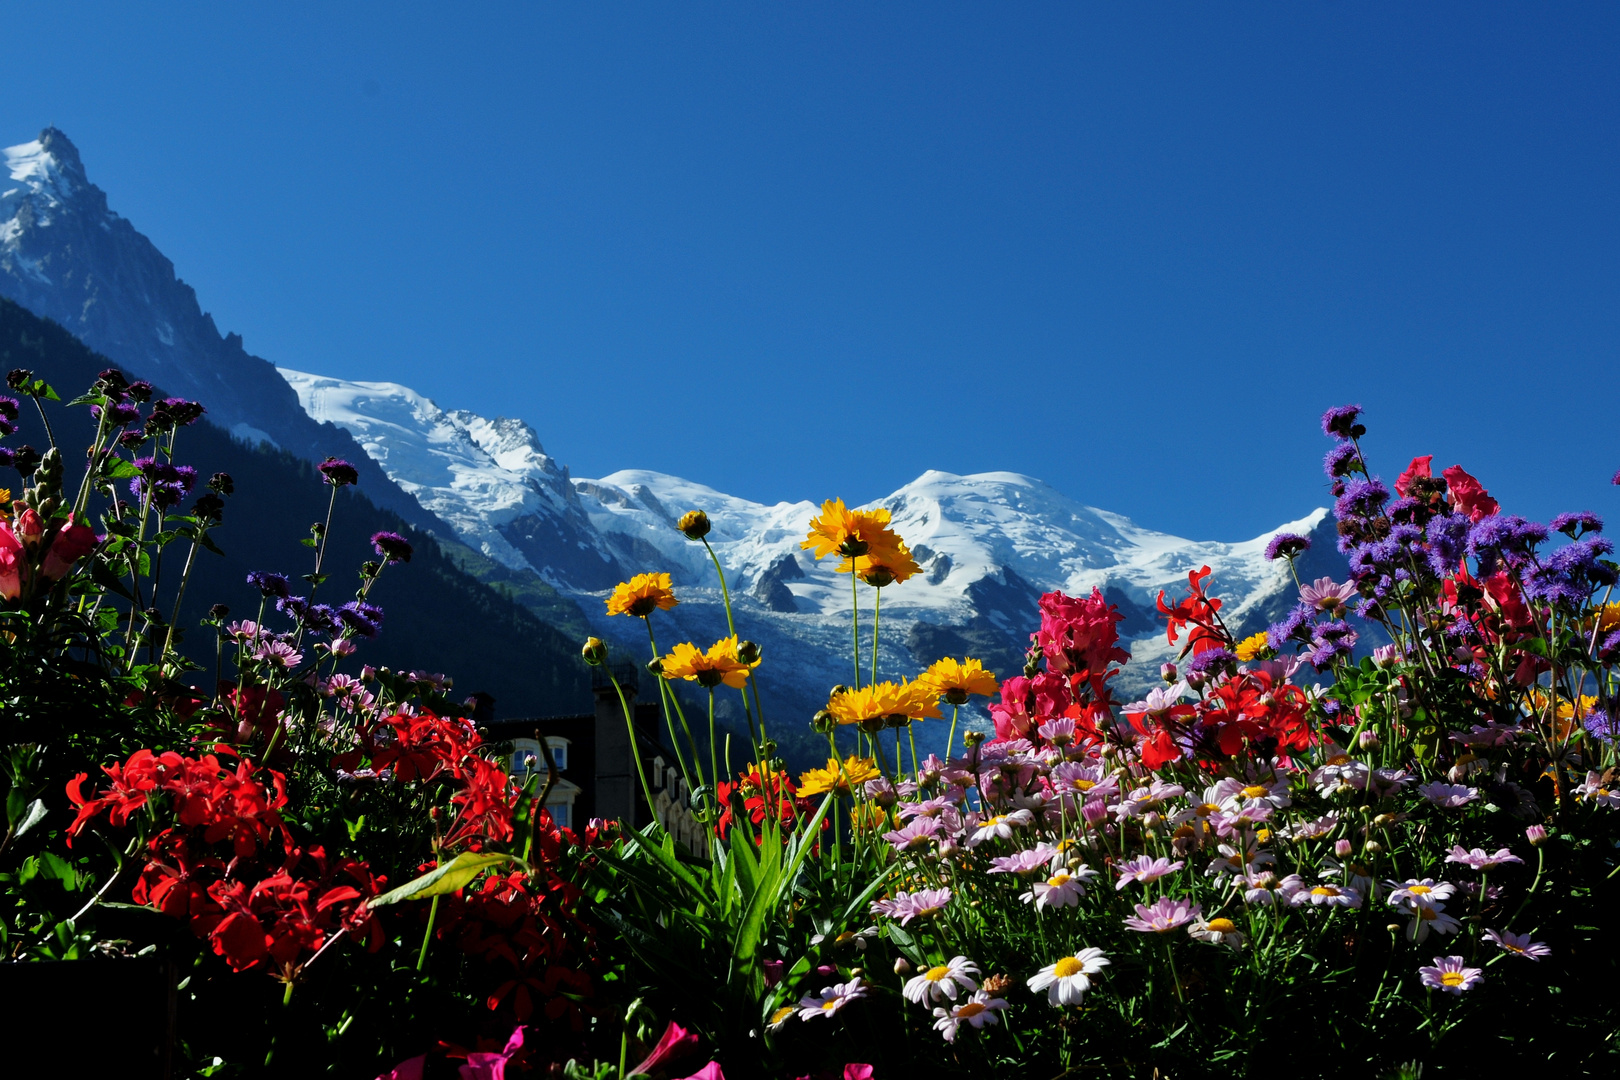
(562, 814)
(523, 749)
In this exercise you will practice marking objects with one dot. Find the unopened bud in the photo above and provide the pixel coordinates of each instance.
(823, 722)
(1341, 848)
(1167, 672)
(694, 524)
(973, 738)
(902, 966)
(1369, 739)
(1372, 847)
(1536, 834)
(594, 651)
(748, 652)
(656, 665)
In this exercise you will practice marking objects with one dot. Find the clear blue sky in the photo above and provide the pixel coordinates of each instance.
(796, 251)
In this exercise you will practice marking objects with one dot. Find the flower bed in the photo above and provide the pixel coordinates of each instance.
(1379, 833)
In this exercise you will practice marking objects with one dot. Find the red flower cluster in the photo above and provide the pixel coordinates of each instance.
(1079, 641)
(261, 898)
(1196, 610)
(761, 796)
(526, 931)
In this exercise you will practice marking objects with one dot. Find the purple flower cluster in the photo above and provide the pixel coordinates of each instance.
(391, 546)
(168, 483)
(1286, 546)
(270, 586)
(1341, 421)
(339, 473)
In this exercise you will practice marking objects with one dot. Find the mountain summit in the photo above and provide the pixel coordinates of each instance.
(66, 256)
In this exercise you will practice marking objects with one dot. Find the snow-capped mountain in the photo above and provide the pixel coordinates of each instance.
(66, 256)
(988, 544)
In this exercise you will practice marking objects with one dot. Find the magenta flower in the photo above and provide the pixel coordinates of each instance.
(1517, 944)
(1145, 870)
(1324, 595)
(1164, 915)
(919, 832)
(1478, 860)
(924, 904)
(1449, 974)
(1447, 796)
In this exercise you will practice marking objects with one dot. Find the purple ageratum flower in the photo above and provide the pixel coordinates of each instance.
(1144, 870)
(1211, 662)
(1603, 722)
(1341, 421)
(339, 473)
(168, 483)
(294, 607)
(1342, 460)
(1451, 975)
(1295, 626)
(118, 414)
(392, 546)
(1570, 574)
(1503, 539)
(269, 585)
(1331, 642)
(174, 412)
(1517, 944)
(1569, 523)
(1361, 498)
(1286, 546)
(1477, 859)
(1615, 479)
(10, 409)
(363, 618)
(1447, 796)
(1447, 535)
(140, 390)
(1163, 916)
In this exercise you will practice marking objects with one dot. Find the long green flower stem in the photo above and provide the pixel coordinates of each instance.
(855, 626)
(956, 711)
(714, 755)
(635, 749)
(877, 611)
(725, 594)
(669, 720)
(427, 935)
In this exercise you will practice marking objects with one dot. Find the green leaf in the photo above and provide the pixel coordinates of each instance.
(207, 541)
(119, 469)
(309, 542)
(446, 879)
(34, 815)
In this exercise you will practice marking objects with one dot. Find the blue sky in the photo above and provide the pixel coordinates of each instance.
(812, 250)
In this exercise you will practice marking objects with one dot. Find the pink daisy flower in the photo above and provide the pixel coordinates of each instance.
(1449, 974)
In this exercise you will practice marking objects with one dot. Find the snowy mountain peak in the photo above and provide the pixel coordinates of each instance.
(48, 168)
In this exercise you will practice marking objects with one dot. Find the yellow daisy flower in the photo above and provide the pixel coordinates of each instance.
(721, 664)
(640, 595)
(863, 541)
(1253, 647)
(870, 704)
(854, 772)
(954, 680)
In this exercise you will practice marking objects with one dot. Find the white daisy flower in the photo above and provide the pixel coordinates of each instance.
(941, 981)
(1067, 981)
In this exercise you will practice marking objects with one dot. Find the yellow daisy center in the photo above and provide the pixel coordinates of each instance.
(1324, 890)
(1510, 947)
(782, 1014)
(1221, 926)
(972, 1008)
(1066, 967)
(1451, 978)
(830, 1005)
(1419, 890)
(1428, 913)
(1255, 791)
(936, 974)
(1057, 879)
(1205, 809)
(1084, 785)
